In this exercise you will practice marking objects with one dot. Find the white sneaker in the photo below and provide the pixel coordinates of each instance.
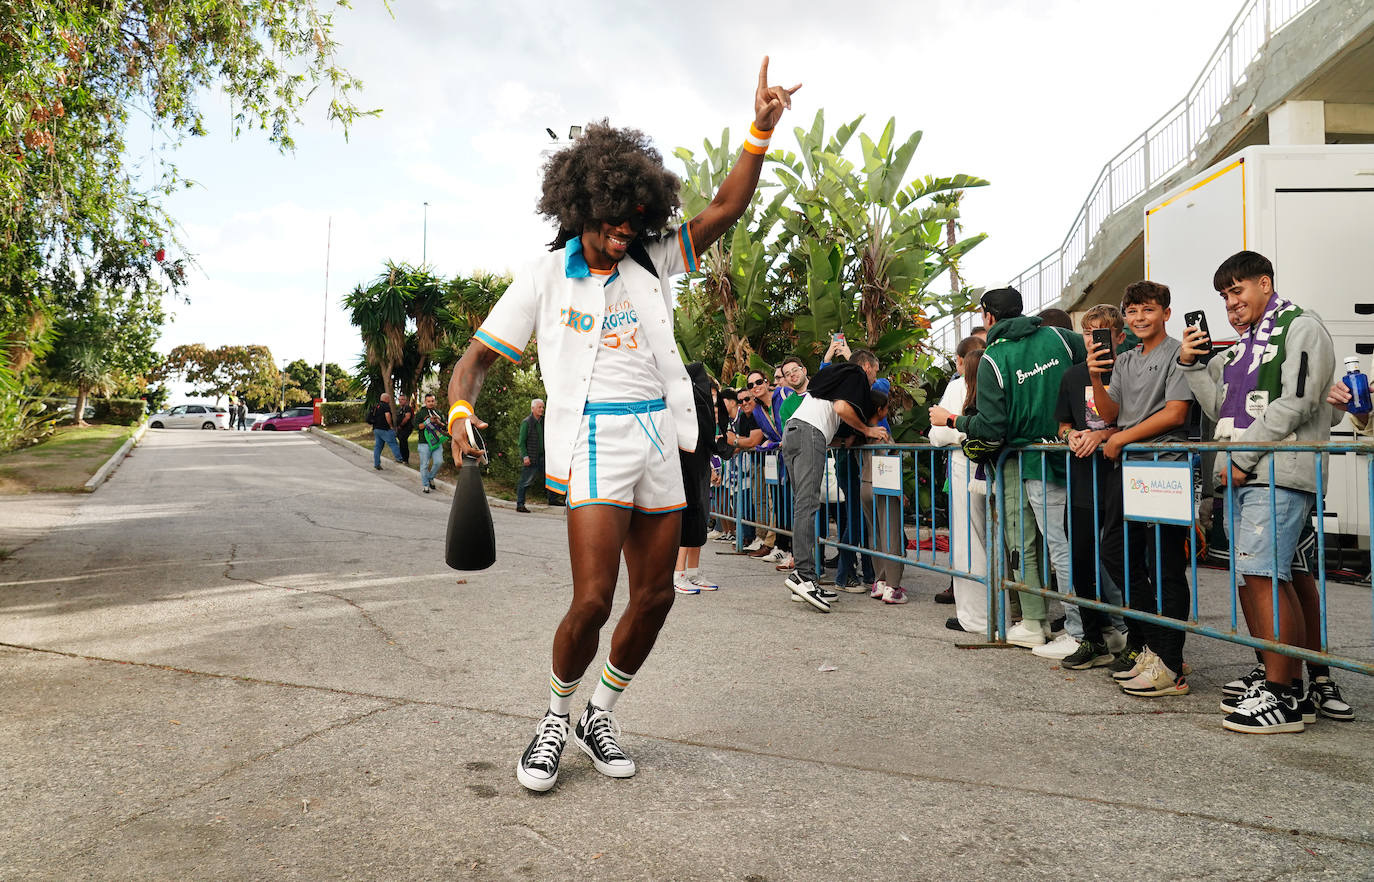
(682, 586)
(786, 562)
(703, 584)
(1060, 647)
(755, 545)
(1030, 636)
(777, 555)
(714, 534)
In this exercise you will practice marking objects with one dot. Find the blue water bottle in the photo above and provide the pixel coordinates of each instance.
(1358, 384)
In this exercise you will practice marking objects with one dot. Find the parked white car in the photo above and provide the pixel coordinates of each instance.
(190, 416)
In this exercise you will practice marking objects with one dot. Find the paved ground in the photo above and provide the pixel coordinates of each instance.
(243, 658)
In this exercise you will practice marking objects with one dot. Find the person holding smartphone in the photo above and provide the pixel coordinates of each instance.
(1148, 400)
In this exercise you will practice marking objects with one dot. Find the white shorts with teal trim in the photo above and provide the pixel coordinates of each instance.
(626, 456)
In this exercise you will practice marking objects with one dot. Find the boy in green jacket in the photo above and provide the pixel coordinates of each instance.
(1018, 390)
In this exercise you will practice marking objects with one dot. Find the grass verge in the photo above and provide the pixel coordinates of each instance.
(62, 463)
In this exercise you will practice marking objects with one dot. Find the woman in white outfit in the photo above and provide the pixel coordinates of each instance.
(967, 498)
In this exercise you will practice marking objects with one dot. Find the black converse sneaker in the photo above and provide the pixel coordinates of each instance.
(596, 734)
(538, 766)
(1266, 713)
(1242, 685)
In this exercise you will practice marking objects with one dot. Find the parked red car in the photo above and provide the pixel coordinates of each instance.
(289, 420)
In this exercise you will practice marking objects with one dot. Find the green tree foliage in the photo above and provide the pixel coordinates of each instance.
(302, 384)
(73, 76)
(842, 245)
(243, 371)
(105, 342)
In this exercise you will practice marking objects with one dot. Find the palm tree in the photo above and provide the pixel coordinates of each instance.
(380, 312)
(84, 364)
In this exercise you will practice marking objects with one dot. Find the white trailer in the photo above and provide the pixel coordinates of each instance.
(1310, 210)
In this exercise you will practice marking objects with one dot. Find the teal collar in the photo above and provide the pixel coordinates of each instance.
(575, 263)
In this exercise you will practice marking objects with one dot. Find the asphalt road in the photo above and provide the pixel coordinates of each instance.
(243, 658)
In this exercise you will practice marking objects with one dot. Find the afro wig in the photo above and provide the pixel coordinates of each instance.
(609, 173)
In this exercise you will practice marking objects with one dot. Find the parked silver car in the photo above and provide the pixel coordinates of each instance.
(190, 416)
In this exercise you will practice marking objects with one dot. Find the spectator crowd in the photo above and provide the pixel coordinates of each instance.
(796, 453)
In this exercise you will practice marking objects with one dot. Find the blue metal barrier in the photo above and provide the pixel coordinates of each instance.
(1191, 456)
(754, 491)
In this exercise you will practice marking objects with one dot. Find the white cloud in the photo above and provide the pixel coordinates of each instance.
(1035, 97)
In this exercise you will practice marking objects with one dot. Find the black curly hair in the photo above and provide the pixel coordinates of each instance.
(609, 173)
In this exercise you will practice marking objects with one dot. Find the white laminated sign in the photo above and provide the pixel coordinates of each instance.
(1158, 492)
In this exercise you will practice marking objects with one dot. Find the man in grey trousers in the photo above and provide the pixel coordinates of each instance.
(839, 393)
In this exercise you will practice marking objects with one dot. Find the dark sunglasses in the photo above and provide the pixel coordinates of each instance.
(759, 382)
(746, 401)
(636, 222)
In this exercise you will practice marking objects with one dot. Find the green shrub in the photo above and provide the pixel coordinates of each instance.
(337, 412)
(120, 411)
(504, 404)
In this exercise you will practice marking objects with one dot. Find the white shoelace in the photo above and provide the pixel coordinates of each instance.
(548, 742)
(604, 729)
(697, 580)
(1256, 699)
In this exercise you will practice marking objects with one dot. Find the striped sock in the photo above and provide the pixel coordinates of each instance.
(561, 693)
(613, 682)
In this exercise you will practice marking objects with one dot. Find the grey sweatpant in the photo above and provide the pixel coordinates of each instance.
(803, 450)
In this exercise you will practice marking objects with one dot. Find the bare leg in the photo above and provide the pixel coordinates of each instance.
(1310, 600)
(1257, 601)
(596, 534)
(649, 553)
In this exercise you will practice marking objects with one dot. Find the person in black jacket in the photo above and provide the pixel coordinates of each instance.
(405, 424)
(383, 424)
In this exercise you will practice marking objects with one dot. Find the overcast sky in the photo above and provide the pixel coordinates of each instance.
(1033, 96)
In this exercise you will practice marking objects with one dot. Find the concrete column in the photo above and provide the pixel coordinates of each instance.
(1298, 122)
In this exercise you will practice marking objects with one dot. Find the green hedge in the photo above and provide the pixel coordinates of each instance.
(336, 412)
(120, 411)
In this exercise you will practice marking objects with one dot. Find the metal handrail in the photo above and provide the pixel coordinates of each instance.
(1166, 145)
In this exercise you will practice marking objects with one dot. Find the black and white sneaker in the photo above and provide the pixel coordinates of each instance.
(1306, 705)
(806, 590)
(538, 766)
(596, 734)
(1266, 714)
(1242, 685)
(1231, 703)
(1327, 696)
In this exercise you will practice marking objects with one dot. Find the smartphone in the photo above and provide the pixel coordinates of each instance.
(837, 337)
(1198, 319)
(1102, 338)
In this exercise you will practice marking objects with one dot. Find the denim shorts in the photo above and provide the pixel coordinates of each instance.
(1265, 539)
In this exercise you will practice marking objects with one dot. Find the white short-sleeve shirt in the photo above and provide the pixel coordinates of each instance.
(563, 305)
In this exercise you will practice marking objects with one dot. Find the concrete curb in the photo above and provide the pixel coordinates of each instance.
(356, 449)
(103, 474)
